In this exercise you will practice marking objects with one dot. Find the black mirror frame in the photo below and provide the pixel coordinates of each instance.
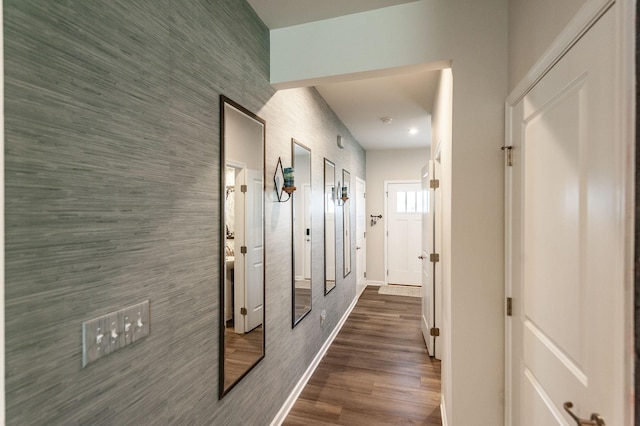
(295, 321)
(221, 389)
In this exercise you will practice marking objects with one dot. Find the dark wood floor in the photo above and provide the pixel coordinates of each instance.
(241, 351)
(376, 372)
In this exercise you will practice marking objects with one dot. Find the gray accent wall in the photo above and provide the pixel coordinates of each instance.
(112, 197)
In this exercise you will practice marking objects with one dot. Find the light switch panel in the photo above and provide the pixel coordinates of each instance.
(135, 322)
(115, 330)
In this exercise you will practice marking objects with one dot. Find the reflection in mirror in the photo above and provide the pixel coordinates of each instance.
(242, 219)
(330, 193)
(346, 221)
(301, 216)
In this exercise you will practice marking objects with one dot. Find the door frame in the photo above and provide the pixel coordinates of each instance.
(386, 222)
(625, 114)
(361, 205)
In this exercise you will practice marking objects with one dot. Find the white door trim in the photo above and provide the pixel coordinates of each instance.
(386, 222)
(588, 14)
(625, 114)
(361, 284)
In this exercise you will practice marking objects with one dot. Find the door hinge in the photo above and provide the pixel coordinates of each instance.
(434, 183)
(387, 272)
(243, 188)
(509, 306)
(243, 249)
(364, 235)
(243, 311)
(434, 331)
(365, 275)
(364, 195)
(509, 150)
(434, 257)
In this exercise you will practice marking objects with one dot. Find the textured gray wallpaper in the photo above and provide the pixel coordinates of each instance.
(112, 197)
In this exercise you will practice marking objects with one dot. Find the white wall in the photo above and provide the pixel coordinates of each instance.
(472, 35)
(240, 148)
(386, 165)
(533, 25)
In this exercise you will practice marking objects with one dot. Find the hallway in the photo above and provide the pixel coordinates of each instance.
(376, 372)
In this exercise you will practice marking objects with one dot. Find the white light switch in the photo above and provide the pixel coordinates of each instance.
(115, 330)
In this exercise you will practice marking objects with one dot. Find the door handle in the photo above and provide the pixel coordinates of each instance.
(421, 257)
(596, 419)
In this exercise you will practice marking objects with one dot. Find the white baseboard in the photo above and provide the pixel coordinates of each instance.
(295, 393)
(377, 283)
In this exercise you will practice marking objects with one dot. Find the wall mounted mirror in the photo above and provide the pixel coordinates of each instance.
(242, 248)
(301, 236)
(345, 195)
(330, 198)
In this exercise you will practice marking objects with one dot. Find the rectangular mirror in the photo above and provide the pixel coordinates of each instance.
(330, 199)
(301, 236)
(242, 249)
(345, 196)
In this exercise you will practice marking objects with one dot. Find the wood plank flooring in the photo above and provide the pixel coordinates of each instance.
(241, 351)
(376, 372)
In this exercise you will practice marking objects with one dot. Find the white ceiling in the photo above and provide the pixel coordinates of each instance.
(360, 104)
(406, 99)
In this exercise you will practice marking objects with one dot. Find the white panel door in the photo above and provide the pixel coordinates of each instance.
(565, 253)
(431, 243)
(307, 231)
(427, 243)
(404, 231)
(435, 201)
(239, 272)
(361, 228)
(254, 268)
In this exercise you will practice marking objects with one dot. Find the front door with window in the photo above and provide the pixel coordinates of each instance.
(404, 233)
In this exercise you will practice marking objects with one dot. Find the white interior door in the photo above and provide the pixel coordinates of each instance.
(431, 243)
(306, 234)
(427, 284)
(435, 200)
(566, 242)
(361, 228)
(254, 268)
(404, 228)
(238, 286)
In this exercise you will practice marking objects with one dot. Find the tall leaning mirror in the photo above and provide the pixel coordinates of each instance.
(301, 237)
(330, 194)
(242, 248)
(345, 194)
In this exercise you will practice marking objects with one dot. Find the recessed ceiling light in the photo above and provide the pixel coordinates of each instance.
(386, 120)
(413, 131)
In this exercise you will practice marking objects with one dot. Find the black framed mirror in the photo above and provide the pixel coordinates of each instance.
(345, 196)
(242, 343)
(301, 208)
(330, 201)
